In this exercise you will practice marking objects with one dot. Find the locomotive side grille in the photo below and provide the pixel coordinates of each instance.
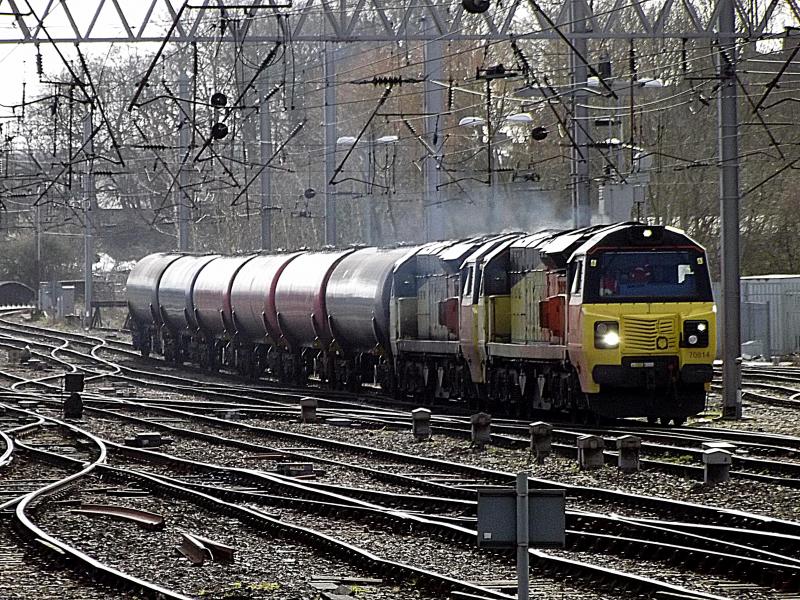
(647, 334)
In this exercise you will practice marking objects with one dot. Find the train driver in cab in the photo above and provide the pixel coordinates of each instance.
(608, 284)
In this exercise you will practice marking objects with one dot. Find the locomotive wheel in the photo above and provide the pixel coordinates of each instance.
(678, 421)
(651, 420)
(145, 352)
(664, 421)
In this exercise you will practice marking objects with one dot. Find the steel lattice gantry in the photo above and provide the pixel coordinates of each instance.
(30, 21)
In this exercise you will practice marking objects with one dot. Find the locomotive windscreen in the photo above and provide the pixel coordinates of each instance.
(647, 276)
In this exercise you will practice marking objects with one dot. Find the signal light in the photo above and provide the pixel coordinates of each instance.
(475, 6)
(695, 334)
(539, 133)
(219, 99)
(219, 131)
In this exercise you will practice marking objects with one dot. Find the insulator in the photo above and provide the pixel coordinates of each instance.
(604, 66)
(450, 95)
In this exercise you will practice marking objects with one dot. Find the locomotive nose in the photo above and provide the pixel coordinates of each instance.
(649, 333)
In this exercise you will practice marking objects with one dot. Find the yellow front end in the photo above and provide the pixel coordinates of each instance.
(655, 344)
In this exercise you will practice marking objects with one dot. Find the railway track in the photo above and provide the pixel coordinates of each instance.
(637, 532)
(675, 446)
(51, 512)
(298, 496)
(595, 539)
(753, 377)
(513, 434)
(52, 456)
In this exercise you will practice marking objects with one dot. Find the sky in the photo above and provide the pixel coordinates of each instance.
(18, 61)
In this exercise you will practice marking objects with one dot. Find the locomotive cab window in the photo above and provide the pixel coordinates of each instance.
(476, 285)
(577, 278)
(472, 286)
(467, 287)
(649, 276)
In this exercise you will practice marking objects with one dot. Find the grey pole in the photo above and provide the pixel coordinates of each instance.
(581, 203)
(434, 109)
(38, 217)
(265, 137)
(729, 211)
(88, 234)
(181, 193)
(330, 142)
(369, 238)
(523, 567)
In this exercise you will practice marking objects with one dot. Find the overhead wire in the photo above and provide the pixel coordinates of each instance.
(367, 100)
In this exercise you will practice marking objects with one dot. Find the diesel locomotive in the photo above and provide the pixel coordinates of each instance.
(610, 320)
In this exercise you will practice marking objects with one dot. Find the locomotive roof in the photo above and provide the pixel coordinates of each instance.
(535, 239)
(637, 235)
(490, 247)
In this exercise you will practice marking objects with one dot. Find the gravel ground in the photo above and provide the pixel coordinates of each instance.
(26, 576)
(469, 564)
(677, 576)
(429, 553)
(24, 475)
(775, 501)
(756, 417)
(264, 567)
(457, 450)
(22, 569)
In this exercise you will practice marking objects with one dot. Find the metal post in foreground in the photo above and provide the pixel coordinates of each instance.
(523, 569)
(729, 211)
(521, 518)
